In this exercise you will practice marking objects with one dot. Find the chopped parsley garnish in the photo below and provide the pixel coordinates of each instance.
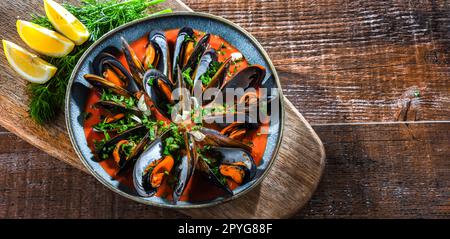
(187, 76)
(129, 102)
(209, 74)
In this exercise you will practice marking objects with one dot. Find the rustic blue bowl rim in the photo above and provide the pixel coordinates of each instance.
(167, 16)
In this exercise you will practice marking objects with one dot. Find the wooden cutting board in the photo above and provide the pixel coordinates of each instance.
(288, 186)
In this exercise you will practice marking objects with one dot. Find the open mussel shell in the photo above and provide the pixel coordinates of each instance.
(234, 163)
(134, 154)
(103, 84)
(138, 130)
(159, 42)
(134, 63)
(140, 177)
(107, 61)
(115, 108)
(237, 157)
(150, 160)
(183, 46)
(159, 89)
(240, 119)
(215, 138)
(208, 57)
(251, 76)
(109, 53)
(219, 78)
(185, 168)
(198, 51)
(151, 57)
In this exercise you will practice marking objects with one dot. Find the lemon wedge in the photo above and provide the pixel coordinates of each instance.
(65, 22)
(28, 65)
(43, 40)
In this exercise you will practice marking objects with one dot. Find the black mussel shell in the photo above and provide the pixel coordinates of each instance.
(185, 169)
(152, 153)
(114, 107)
(138, 130)
(134, 64)
(183, 37)
(198, 51)
(215, 138)
(208, 57)
(251, 76)
(159, 41)
(103, 84)
(236, 156)
(159, 89)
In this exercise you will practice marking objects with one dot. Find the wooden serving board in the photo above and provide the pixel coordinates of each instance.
(288, 186)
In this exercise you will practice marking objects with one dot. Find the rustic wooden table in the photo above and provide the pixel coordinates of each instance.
(372, 77)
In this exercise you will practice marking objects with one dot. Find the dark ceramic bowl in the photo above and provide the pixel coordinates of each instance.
(78, 89)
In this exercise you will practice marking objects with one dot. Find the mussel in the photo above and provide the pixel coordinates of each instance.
(114, 108)
(159, 89)
(184, 47)
(145, 165)
(234, 164)
(249, 77)
(116, 147)
(159, 43)
(103, 84)
(153, 167)
(107, 66)
(134, 63)
(197, 52)
(207, 59)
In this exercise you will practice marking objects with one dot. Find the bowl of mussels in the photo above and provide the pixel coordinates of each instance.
(182, 110)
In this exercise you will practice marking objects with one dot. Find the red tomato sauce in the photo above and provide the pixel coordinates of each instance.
(198, 189)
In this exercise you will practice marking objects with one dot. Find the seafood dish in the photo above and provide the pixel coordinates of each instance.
(157, 120)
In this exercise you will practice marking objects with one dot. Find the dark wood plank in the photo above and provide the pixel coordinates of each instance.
(373, 171)
(35, 185)
(384, 171)
(353, 61)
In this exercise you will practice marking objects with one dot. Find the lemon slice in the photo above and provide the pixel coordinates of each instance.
(43, 40)
(65, 22)
(28, 65)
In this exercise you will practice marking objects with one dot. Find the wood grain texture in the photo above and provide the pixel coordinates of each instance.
(261, 202)
(353, 61)
(399, 170)
(373, 171)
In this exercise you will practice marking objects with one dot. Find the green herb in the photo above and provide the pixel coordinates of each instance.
(98, 144)
(189, 38)
(174, 142)
(150, 81)
(99, 17)
(216, 171)
(128, 102)
(220, 49)
(222, 46)
(417, 93)
(127, 148)
(118, 126)
(187, 76)
(209, 74)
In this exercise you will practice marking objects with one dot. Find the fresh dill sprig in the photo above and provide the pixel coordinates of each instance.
(100, 17)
